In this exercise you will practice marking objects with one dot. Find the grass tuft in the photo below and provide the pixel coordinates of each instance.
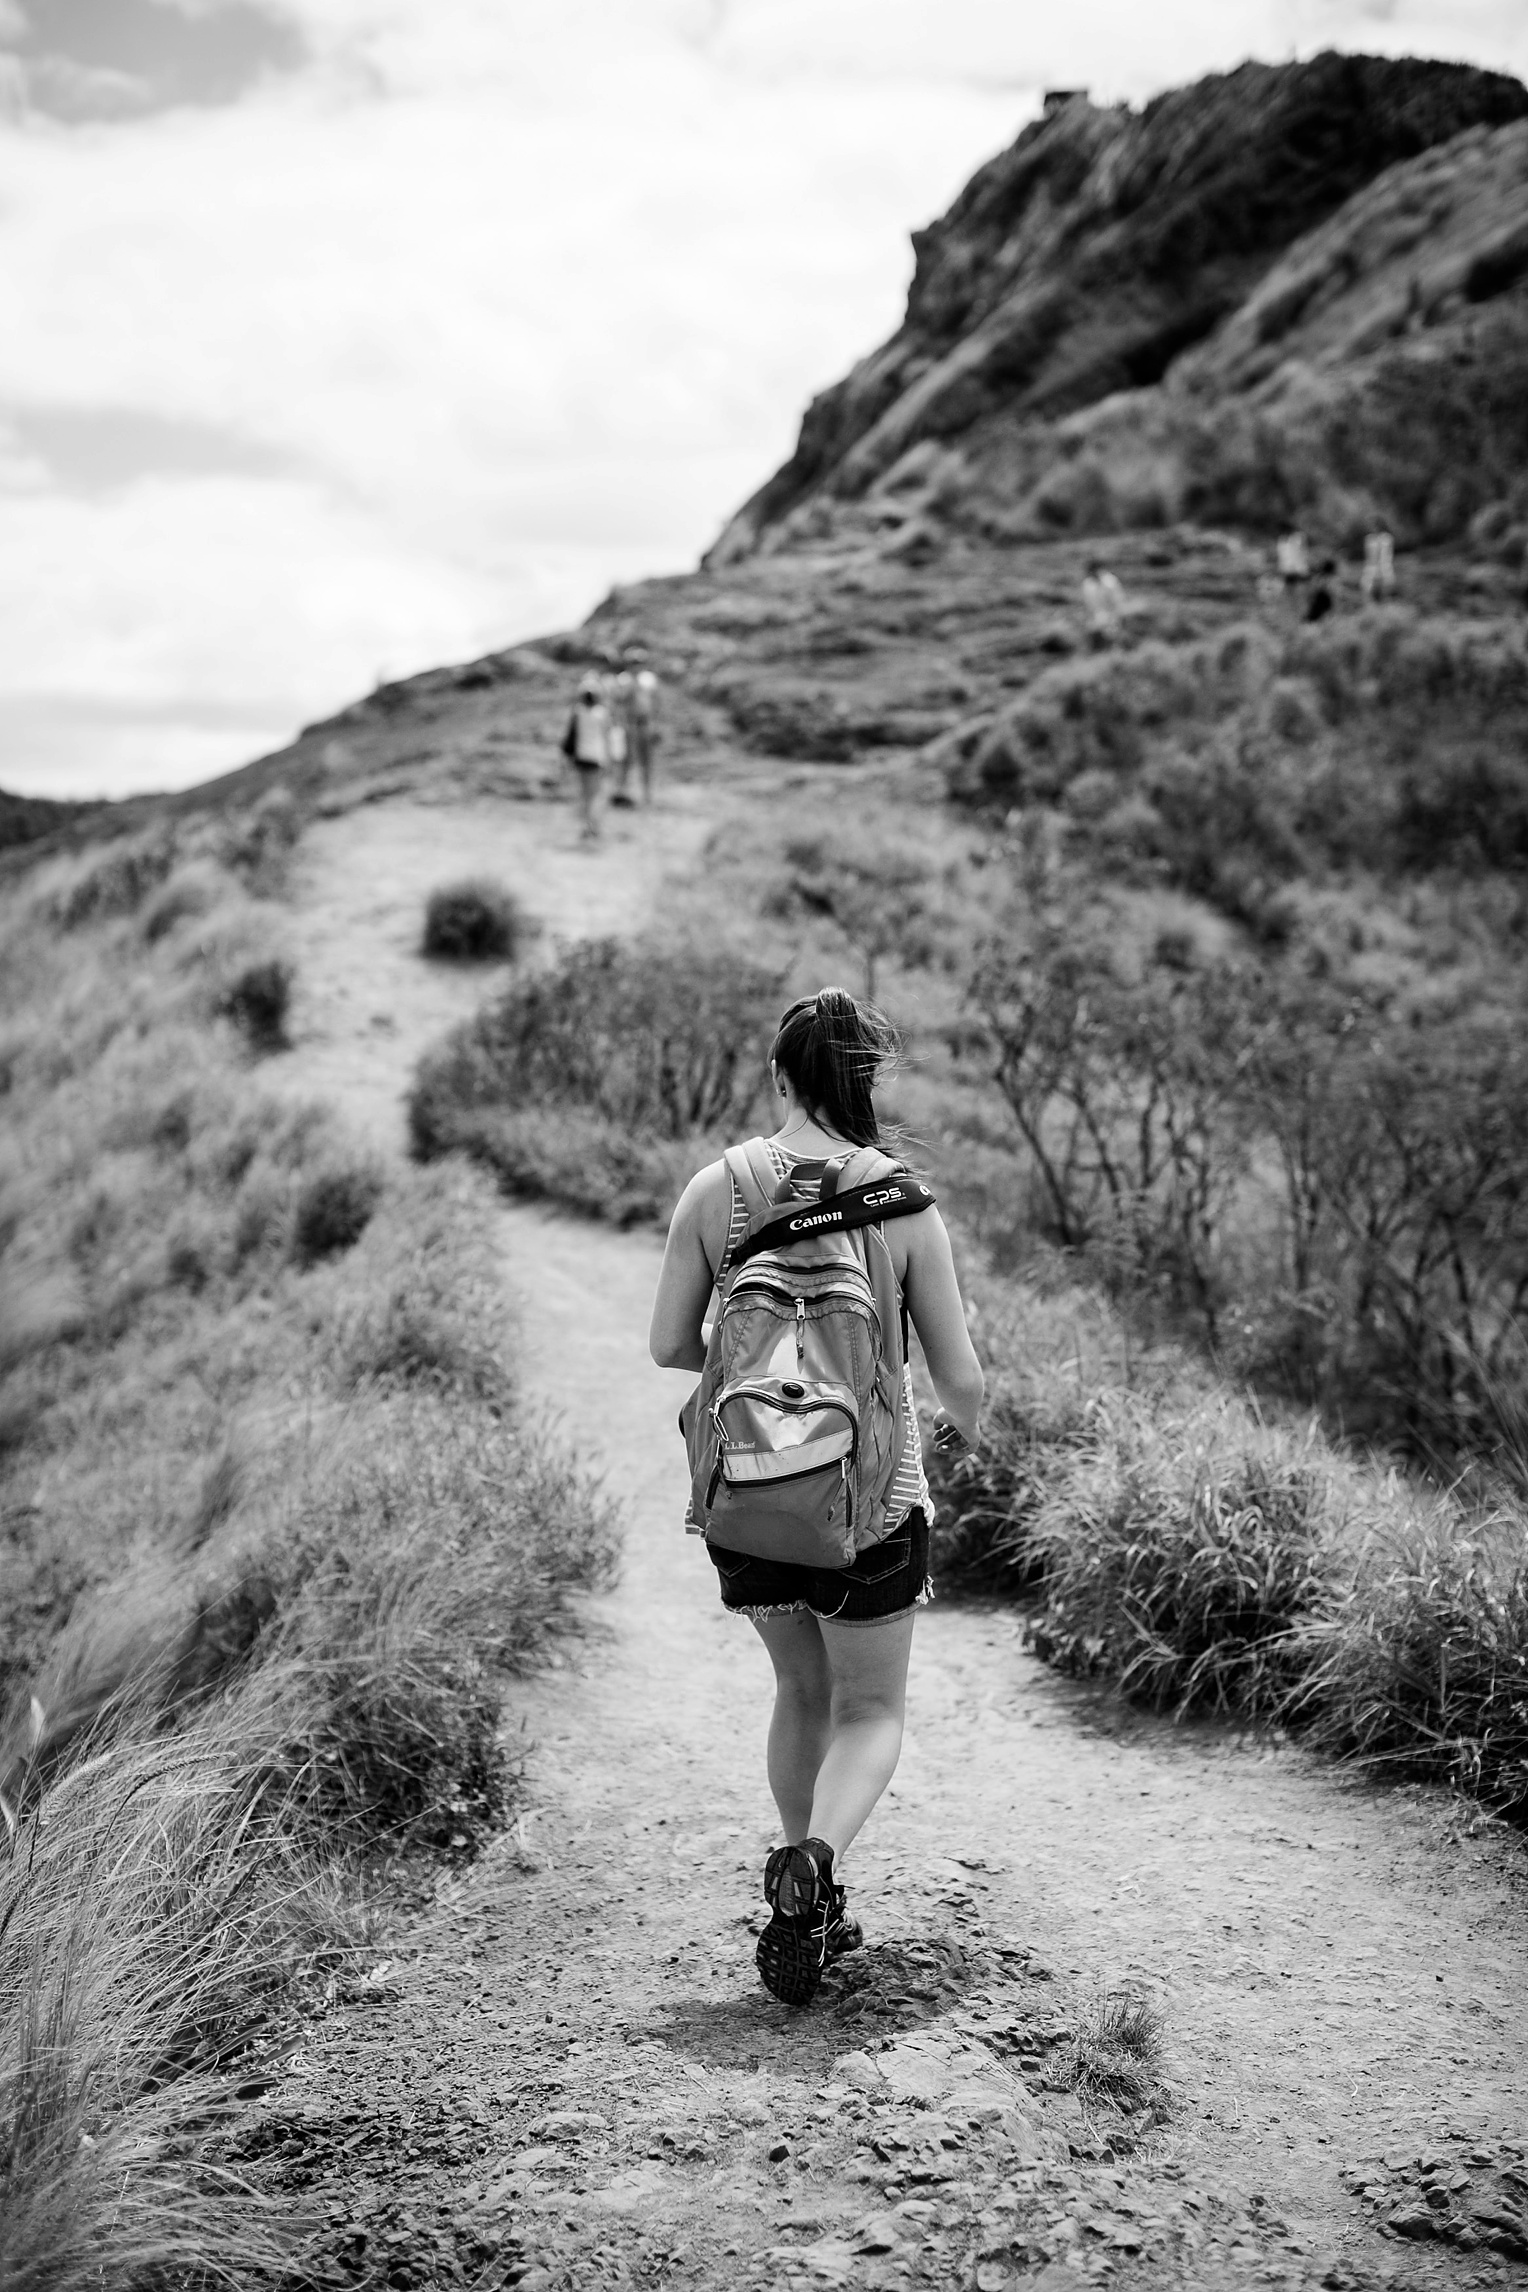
(332, 1211)
(1179, 1557)
(478, 921)
(257, 1000)
(1420, 1662)
(152, 1915)
(1115, 2055)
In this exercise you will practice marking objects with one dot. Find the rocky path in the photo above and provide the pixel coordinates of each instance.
(571, 2077)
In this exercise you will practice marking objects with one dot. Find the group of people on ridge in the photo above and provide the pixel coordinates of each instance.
(613, 728)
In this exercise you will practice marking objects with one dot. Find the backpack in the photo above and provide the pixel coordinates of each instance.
(796, 1428)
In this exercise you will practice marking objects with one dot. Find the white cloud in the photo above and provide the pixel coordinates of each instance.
(517, 297)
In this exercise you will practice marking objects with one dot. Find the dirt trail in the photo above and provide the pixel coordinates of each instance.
(575, 2078)
(366, 1005)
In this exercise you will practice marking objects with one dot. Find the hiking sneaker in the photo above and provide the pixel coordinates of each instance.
(844, 1933)
(805, 1905)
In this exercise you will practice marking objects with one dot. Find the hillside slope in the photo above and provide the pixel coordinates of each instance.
(1167, 265)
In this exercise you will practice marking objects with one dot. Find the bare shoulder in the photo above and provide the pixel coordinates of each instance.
(704, 1212)
(917, 1240)
(708, 1187)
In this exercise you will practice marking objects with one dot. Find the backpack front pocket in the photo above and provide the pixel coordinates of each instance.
(783, 1484)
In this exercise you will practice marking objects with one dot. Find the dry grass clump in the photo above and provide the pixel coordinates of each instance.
(191, 892)
(412, 1579)
(257, 1000)
(1180, 1555)
(1115, 2054)
(116, 884)
(478, 921)
(333, 1209)
(152, 1914)
(1419, 1662)
(1206, 1561)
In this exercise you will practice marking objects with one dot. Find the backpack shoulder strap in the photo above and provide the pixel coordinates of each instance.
(861, 1166)
(895, 1196)
(753, 1173)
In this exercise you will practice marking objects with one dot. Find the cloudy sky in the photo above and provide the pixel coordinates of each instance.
(345, 336)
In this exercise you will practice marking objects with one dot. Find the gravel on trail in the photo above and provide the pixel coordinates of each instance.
(568, 2074)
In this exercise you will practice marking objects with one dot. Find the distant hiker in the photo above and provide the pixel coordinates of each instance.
(1103, 603)
(1379, 566)
(637, 704)
(1293, 555)
(807, 1477)
(586, 745)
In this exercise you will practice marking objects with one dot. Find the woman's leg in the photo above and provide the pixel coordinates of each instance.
(868, 1668)
(802, 1718)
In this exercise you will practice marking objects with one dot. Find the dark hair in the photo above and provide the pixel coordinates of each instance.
(833, 1048)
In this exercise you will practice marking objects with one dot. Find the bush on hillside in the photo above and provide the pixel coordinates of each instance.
(411, 1582)
(477, 921)
(257, 843)
(257, 1000)
(876, 892)
(190, 892)
(1179, 1557)
(1420, 1662)
(332, 1210)
(582, 1081)
(115, 885)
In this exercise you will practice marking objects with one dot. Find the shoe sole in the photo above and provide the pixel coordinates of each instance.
(790, 1957)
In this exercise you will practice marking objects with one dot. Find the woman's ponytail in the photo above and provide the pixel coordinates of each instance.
(834, 1049)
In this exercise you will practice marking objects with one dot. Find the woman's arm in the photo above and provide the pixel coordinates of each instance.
(933, 1301)
(676, 1338)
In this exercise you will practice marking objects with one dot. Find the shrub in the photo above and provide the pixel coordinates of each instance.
(411, 1581)
(1420, 1662)
(332, 1211)
(257, 999)
(473, 922)
(581, 1081)
(257, 843)
(189, 893)
(116, 885)
(1179, 1557)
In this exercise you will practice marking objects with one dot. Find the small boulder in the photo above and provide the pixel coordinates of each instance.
(859, 2071)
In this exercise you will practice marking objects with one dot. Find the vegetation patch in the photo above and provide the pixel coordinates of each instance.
(478, 921)
(257, 999)
(605, 1080)
(280, 1544)
(332, 1210)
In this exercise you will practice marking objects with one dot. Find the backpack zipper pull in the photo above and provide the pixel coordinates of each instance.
(843, 1474)
(800, 1331)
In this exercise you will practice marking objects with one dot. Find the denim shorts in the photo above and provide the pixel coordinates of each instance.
(887, 1581)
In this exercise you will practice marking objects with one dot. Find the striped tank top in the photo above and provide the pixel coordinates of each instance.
(909, 1486)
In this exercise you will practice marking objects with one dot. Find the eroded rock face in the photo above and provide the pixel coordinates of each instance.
(1104, 247)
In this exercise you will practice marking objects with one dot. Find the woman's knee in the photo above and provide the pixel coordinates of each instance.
(868, 1706)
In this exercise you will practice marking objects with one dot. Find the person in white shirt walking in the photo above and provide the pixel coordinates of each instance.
(586, 745)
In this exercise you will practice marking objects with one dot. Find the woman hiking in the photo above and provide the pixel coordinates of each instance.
(804, 1443)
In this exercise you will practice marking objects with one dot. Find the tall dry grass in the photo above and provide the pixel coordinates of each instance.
(1168, 1537)
(152, 1919)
